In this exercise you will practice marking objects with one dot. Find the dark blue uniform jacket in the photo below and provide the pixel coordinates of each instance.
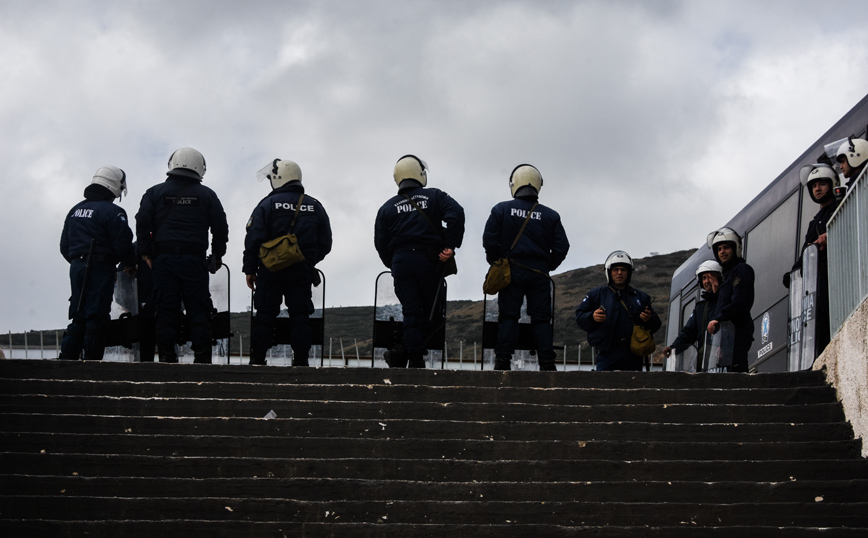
(695, 331)
(99, 219)
(543, 245)
(618, 326)
(398, 226)
(176, 215)
(735, 295)
(272, 219)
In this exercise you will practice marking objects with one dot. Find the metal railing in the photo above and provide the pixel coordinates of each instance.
(848, 254)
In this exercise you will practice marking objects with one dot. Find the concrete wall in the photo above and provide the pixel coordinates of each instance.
(846, 363)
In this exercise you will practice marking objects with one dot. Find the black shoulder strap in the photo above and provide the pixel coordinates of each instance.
(425, 216)
(523, 226)
(297, 209)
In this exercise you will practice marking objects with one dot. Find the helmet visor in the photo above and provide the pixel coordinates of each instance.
(268, 171)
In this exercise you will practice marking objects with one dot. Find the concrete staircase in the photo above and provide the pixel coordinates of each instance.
(111, 449)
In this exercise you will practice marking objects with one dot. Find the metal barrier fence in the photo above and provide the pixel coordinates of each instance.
(848, 254)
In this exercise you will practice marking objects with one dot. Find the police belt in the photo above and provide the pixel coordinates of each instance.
(178, 248)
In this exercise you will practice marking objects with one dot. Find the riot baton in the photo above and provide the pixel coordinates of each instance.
(440, 279)
(86, 275)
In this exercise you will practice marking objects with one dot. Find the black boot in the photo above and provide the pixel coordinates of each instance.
(502, 363)
(396, 357)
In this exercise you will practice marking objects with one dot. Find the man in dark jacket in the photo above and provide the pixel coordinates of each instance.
(172, 228)
(416, 247)
(272, 218)
(608, 313)
(820, 180)
(735, 296)
(541, 247)
(96, 237)
(709, 274)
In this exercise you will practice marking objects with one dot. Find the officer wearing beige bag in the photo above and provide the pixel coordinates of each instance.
(273, 217)
(532, 238)
(609, 313)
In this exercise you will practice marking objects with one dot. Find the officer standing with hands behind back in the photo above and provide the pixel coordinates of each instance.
(411, 241)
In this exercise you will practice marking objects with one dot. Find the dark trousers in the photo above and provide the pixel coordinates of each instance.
(291, 285)
(86, 329)
(177, 278)
(537, 289)
(618, 357)
(417, 278)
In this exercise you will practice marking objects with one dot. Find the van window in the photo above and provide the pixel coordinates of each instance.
(771, 250)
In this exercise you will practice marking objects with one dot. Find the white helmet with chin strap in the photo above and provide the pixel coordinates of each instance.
(619, 257)
(855, 150)
(279, 172)
(187, 162)
(709, 266)
(812, 173)
(112, 178)
(525, 175)
(724, 235)
(411, 167)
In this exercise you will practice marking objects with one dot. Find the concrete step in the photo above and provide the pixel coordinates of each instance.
(331, 489)
(422, 410)
(476, 512)
(325, 447)
(276, 375)
(429, 429)
(264, 529)
(444, 469)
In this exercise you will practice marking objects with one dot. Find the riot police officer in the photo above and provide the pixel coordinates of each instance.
(608, 313)
(736, 294)
(852, 156)
(96, 237)
(540, 245)
(286, 209)
(172, 228)
(416, 248)
(710, 275)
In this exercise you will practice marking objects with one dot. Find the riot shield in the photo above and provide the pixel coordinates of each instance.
(122, 332)
(218, 286)
(718, 355)
(389, 329)
(803, 302)
(683, 362)
(524, 357)
(280, 352)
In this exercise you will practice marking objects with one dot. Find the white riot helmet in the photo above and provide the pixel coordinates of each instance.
(279, 172)
(525, 175)
(812, 173)
(724, 235)
(855, 150)
(619, 257)
(112, 178)
(709, 266)
(187, 162)
(411, 167)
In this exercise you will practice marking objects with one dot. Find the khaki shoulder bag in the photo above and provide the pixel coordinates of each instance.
(641, 341)
(282, 252)
(499, 273)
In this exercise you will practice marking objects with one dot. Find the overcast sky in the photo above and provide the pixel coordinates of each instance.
(652, 122)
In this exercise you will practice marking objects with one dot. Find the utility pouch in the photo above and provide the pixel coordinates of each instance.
(641, 341)
(499, 276)
(283, 251)
(280, 253)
